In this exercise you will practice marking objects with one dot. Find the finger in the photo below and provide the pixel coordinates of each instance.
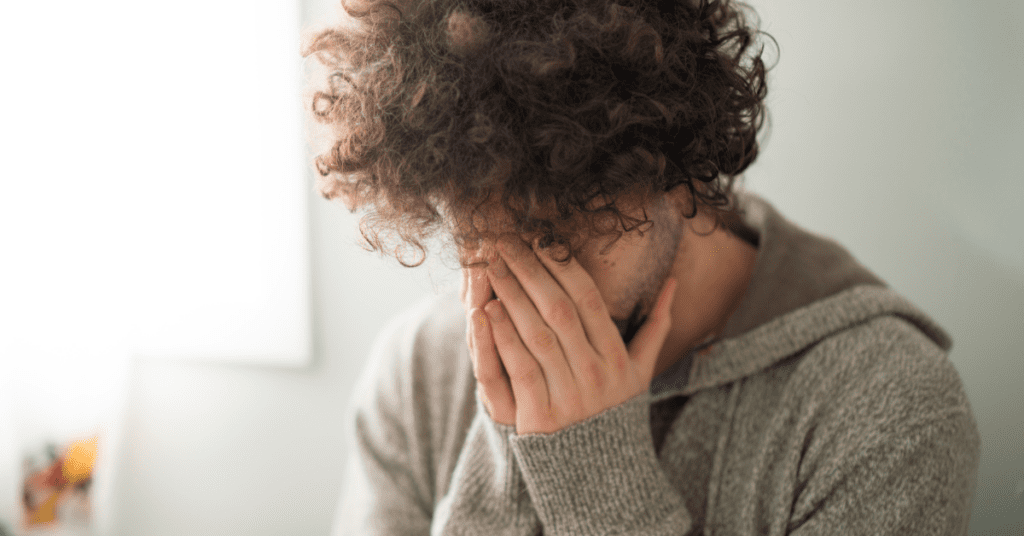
(529, 386)
(555, 306)
(492, 380)
(477, 295)
(645, 347)
(479, 292)
(598, 327)
(464, 287)
(476, 287)
(538, 338)
(496, 390)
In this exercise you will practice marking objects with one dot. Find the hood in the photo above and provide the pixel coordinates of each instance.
(804, 288)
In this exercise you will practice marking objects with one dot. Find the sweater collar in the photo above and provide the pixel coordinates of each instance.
(804, 287)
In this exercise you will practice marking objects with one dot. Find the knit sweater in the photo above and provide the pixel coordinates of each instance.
(828, 405)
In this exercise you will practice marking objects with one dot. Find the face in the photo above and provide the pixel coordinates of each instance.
(631, 273)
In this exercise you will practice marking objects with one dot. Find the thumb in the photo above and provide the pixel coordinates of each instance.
(645, 347)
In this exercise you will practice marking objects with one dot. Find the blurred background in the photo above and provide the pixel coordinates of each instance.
(171, 284)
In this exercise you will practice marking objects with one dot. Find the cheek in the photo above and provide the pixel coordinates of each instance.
(595, 272)
(608, 278)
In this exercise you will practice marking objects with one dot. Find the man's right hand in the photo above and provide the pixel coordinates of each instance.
(492, 380)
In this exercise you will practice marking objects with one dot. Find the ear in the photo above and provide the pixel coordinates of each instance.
(680, 195)
(683, 199)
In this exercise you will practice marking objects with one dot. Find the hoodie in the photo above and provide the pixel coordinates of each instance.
(828, 405)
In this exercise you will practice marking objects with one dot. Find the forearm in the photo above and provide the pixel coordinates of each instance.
(602, 476)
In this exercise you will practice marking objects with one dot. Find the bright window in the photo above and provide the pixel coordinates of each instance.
(154, 180)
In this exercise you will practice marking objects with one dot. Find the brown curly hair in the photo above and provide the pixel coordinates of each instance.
(562, 116)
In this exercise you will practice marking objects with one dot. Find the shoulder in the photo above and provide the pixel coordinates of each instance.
(884, 385)
(419, 348)
(418, 382)
(885, 420)
(885, 355)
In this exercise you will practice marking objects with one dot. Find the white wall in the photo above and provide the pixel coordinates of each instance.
(896, 130)
(227, 449)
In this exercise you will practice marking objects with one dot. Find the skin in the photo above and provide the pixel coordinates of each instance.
(549, 351)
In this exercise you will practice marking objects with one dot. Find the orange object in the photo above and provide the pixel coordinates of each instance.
(79, 460)
(45, 490)
(45, 512)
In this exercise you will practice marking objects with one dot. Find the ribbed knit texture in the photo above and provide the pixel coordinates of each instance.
(609, 459)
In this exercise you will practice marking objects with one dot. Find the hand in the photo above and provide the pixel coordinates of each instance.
(492, 380)
(564, 357)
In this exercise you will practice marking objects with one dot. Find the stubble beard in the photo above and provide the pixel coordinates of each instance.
(666, 239)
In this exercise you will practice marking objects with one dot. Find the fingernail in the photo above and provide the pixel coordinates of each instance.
(541, 249)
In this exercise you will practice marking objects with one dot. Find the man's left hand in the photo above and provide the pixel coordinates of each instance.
(565, 358)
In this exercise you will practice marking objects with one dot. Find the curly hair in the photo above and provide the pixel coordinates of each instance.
(561, 116)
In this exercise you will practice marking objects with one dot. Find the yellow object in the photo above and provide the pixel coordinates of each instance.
(46, 512)
(79, 460)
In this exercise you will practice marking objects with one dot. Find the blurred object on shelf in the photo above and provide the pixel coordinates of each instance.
(56, 491)
(10, 470)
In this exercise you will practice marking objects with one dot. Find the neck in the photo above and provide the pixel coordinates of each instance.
(713, 272)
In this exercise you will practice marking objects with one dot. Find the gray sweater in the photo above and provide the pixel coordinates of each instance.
(827, 406)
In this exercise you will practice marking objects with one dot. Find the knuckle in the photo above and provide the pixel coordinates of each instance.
(574, 403)
(620, 360)
(533, 268)
(488, 379)
(544, 339)
(536, 415)
(545, 416)
(593, 301)
(594, 374)
(563, 314)
(527, 375)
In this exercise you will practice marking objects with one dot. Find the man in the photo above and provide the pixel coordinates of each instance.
(638, 347)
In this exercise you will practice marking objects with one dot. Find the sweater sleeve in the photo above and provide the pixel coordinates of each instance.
(487, 494)
(602, 476)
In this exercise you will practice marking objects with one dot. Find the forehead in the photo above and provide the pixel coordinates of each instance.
(589, 251)
(494, 219)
